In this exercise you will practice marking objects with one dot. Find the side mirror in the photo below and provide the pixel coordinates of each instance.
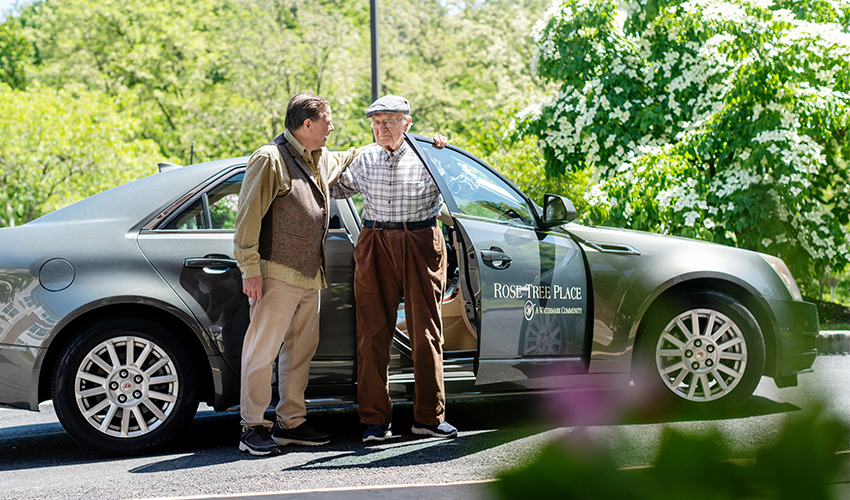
(557, 211)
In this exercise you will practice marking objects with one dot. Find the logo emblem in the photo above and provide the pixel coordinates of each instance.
(529, 310)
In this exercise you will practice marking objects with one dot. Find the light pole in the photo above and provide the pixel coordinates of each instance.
(376, 53)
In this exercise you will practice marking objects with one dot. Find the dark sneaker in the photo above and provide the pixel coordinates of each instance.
(376, 433)
(257, 440)
(303, 434)
(444, 430)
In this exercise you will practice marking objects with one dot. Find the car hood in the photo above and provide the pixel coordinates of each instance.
(643, 241)
(669, 259)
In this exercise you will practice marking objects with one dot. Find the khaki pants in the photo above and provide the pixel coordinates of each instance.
(391, 264)
(286, 315)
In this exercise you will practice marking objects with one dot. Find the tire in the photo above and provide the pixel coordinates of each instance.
(720, 366)
(120, 405)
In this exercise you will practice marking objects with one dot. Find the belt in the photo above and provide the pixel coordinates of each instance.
(400, 225)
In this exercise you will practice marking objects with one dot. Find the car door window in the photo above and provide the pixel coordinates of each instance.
(215, 209)
(476, 190)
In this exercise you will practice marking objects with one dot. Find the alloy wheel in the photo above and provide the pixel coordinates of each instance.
(701, 355)
(126, 386)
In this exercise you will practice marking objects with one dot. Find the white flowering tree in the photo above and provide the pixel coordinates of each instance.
(721, 120)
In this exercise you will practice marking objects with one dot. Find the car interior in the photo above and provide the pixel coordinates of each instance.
(458, 332)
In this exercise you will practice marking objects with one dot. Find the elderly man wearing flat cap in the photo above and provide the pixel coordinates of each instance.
(400, 254)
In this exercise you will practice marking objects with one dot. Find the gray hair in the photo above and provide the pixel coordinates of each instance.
(303, 107)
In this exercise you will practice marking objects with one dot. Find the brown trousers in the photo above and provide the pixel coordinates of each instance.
(391, 264)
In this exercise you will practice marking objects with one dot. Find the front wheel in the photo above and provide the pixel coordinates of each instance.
(705, 349)
(125, 387)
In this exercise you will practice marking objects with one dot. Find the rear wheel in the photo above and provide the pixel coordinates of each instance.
(125, 387)
(706, 349)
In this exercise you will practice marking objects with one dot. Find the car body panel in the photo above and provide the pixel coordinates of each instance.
(517, 275)
(658, 264)
(94, 282)
(96, 236)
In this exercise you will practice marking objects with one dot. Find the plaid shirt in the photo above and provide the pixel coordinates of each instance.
(396, 186)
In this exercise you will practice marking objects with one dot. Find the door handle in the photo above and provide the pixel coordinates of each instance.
(210, 264)
(496, 258)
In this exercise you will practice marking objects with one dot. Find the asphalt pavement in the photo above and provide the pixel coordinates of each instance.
(828, 342)
(409, 468)
(473, 490)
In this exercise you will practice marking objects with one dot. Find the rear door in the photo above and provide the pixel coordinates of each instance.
(526, 288)
(193, 250)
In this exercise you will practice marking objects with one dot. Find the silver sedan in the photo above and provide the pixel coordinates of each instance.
(126, 308)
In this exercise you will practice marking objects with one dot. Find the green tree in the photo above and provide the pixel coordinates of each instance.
(459, 62)
(217, 74)
(14, 53)
(521, 160)
(213, 73)
(161, 59)
(725, 121)
(277, 48)
(57, 146)
(467, 67)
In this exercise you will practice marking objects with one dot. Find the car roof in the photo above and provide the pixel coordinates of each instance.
(139, 198)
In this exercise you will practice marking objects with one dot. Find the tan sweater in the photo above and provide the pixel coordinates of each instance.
(266, 178)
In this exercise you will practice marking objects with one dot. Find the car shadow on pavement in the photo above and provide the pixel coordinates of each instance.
(40, 445)
(484, 424)
(213, 437)
(755, 406)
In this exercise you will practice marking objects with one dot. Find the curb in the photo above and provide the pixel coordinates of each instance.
(833, 342)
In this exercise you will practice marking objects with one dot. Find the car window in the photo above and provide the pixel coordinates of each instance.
(478, 191)
(222, 202)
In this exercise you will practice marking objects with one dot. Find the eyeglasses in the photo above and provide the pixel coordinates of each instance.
(386, 123)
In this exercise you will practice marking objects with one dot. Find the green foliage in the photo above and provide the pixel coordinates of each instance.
(832, 315)
(725, 121)
(273, 49)
(801, 463)
(57, 146)
(162, 60)
(15, 52)
(459, 62)
(216, 75)
(520, 160)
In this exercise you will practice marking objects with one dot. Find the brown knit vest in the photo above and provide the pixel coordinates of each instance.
(294, 228)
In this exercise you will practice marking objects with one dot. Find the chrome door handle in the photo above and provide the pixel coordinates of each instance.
(210, 265)
(496, 258)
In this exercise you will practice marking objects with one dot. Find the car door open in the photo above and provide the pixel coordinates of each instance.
(525, 287)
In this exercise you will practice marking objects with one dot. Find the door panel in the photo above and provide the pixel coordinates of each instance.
(529, 287)
(213, 294)
(194, 253)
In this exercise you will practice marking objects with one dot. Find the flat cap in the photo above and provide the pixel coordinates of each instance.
(389, 104)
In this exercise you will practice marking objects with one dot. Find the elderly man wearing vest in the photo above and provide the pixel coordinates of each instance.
(400, 253)
(279, 245)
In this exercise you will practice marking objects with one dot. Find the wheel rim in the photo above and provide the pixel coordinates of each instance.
(543, 337)
(701, 355)
(126, 386)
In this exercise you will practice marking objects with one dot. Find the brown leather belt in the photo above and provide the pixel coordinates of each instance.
(374, 224)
